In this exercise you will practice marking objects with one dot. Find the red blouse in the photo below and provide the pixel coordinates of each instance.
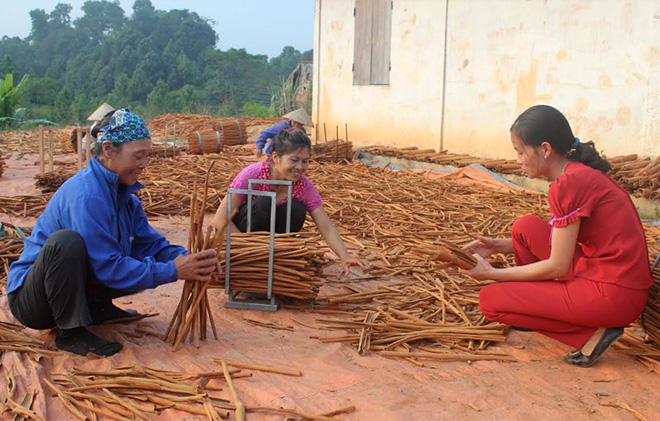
(611, 234)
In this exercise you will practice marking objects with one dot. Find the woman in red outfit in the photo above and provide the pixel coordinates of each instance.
(582, 276)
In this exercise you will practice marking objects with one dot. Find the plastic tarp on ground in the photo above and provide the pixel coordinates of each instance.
(474, 174)
(334, 375)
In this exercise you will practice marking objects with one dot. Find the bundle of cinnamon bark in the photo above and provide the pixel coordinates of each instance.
(450, 253)
(230, 133)
(52, 180)
(651, 315)
(193, 312)
(333, 151)
(297, 263)
(637, 176)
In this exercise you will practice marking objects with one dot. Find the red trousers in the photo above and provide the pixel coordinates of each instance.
(570, 309)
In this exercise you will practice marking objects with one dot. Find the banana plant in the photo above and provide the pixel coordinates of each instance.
(10, 98)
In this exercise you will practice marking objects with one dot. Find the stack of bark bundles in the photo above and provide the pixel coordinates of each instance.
(52, 180)
(297, 264)
(27, 141)
(651, 315)
(165, 149)
(638, 176)
(413, 153)
(2, 164)
(188, 124)
(230, 132)
(333, 151)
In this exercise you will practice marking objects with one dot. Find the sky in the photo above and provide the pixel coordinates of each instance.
(259, 26)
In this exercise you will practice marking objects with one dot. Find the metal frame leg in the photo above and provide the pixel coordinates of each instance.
(268, 301)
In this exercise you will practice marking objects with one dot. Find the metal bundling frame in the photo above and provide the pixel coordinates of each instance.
(268, 301)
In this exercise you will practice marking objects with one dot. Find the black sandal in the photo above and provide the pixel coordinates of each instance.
(522, 329)
(576, 357)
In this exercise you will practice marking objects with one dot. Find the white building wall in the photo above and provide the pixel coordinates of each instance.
(598, 61)
(404, 113)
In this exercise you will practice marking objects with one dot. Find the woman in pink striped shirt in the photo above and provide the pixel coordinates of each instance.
(289, 161)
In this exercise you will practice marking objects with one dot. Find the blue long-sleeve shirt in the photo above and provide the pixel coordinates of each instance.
(124, 251)
(270, 133)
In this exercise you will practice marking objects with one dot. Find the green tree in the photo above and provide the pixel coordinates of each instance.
(41, 91)
(139, 86)
(62, 110)
(100, 19)
(121, 91)
(158, 99)
(80, 108)
(7, 65)
(21, 53)
(144, 16)
(187, 99)
(195, 36)
(105, 55)
(184, 73)
(250, 109)
(286, 61)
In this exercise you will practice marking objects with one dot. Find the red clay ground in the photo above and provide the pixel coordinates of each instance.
(538, 386)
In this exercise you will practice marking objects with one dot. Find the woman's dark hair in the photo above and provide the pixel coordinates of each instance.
(96, 147)
(291, 139)
(543, 123)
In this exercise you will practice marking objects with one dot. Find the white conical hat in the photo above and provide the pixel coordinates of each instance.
(100, 112)
(300, 116)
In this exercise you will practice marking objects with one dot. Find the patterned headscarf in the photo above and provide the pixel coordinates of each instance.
(124, 127)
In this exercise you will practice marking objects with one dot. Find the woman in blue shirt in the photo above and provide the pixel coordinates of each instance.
(94, 243)
(297, 118)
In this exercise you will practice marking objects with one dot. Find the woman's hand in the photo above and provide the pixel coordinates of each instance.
(482, 271)
(353, 261)
(483, 246)
(197, 266)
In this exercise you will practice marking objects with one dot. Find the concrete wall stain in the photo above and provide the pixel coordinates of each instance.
(337, 25)
(561, 56)
(604, 82)
(652, 56)
(526, 88)
(581, 105)
(623, 116)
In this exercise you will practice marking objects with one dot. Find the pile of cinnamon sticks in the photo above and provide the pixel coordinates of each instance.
(141, 392)
(11, 246)
(638, 176)
(12, 338)
(333, 151)
(504, 166)
(297, 262)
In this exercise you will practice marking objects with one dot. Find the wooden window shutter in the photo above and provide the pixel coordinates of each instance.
(381, 35)
(363, 41)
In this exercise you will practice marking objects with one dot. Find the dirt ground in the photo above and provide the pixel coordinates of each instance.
(537, 386)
